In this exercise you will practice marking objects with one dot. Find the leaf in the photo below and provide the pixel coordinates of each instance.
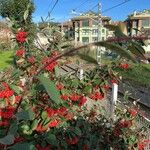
(44, 115)
(34, 124)
(57, 70)
(51, 139)
(75, 83)
(26, 13)
(22, 146)
(15, 73)
(15, 88)
(88, 89)
(77, 131)
(51, 89)
(25, 115)
(133, 46)
(109, 46)
(13, 128)
(7, 140)
(118, 49)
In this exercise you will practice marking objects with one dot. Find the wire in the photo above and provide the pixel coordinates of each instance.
(94, 7)
(51, 9)
(53, 6)
(80, 5)
(108, 9)
(49, 6)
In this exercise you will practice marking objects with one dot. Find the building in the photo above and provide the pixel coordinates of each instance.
(140, 21)
(86, 28)
(138, 24)
(66, 28)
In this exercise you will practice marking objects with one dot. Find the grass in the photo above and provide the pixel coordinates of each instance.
(6, 58)
(138, 74)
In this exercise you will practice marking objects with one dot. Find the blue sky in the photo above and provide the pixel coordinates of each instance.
(63, 8)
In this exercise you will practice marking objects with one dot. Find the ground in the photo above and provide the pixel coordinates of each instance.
(6, 59)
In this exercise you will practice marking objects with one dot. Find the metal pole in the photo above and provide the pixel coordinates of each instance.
(99, 33)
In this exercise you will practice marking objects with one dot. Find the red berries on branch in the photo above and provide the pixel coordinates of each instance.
(21, 36)
(20, 52)
(124, 66)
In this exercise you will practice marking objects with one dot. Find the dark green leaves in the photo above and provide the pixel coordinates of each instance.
(23, 146)
(51, 139)
(25, 115)
(50, 89)
(7, 140)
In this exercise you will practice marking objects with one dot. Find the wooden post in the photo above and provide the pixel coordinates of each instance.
(113, 100)
(81, 74)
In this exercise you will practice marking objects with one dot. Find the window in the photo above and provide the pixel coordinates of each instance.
(85, 39)
(94, 31)
(103, 38)
(85, 23)
(94, 39)
(94, 23)
(145, 23)
(103, 30)
(85, 31)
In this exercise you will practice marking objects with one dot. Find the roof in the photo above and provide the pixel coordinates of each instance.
(89, 15)
(67, 23)
(139, 15)
(83, 17)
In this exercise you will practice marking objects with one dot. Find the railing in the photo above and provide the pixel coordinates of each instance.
(141, 120)
(111, 106)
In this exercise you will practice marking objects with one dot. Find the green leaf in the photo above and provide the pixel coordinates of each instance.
(88, 89)
(44, 115)
(13, 128)
(23, 146)
(118, 49)
(109, 46)
(15, 88)
(25, 115)
(26, 13)
(34, 124)
(75, 83)
(15, 73)
(51, 139)
(77, 131)
(7, 140)
(57, 70)
(51, 89)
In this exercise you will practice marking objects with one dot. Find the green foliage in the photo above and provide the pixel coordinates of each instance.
(41, 110)
(23, 146)
(138, 75)
(50, 89)
(7, 140)
(16, 9)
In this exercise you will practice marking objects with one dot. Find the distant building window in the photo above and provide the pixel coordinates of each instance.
(85, 23)
(103, 30)
(94, 31)
(145, 23)
(94, 39)
(85, 39)
(94, 23)
(103, 38)
(85, 31)
(134, 24)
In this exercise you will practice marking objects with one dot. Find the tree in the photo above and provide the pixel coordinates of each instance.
(16, 10)
(20, 15)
